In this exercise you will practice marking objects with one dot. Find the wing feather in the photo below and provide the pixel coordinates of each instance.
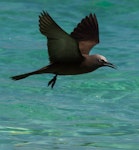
(87, 33)
(61, 46)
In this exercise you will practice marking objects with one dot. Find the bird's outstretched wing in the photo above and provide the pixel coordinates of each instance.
(61, 46)
(87, 33)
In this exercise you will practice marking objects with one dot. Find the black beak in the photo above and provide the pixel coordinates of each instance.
(108, 64)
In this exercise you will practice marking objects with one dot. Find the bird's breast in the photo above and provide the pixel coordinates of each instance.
(69, 68)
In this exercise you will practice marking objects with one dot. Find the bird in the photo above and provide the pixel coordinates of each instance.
(69, 53)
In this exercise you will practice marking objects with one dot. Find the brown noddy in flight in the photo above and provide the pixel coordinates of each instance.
(69, 53)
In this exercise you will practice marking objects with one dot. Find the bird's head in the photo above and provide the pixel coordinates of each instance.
(102, 61)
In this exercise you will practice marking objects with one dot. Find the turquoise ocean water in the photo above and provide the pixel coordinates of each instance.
(95, 111)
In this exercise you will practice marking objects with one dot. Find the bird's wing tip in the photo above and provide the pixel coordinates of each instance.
(43, 13)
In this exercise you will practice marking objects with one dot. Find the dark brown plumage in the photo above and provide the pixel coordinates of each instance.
(69, 53)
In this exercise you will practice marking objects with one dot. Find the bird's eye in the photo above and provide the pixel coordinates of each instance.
(101, 60)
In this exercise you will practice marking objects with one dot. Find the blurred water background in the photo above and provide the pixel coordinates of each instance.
(95, 111)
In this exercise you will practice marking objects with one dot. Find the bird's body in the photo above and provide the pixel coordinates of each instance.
(71, 68)
(69, 54)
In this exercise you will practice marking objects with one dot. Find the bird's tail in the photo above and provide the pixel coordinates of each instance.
(22, 76)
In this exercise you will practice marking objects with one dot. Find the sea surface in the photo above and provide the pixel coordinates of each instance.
(94, 111)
